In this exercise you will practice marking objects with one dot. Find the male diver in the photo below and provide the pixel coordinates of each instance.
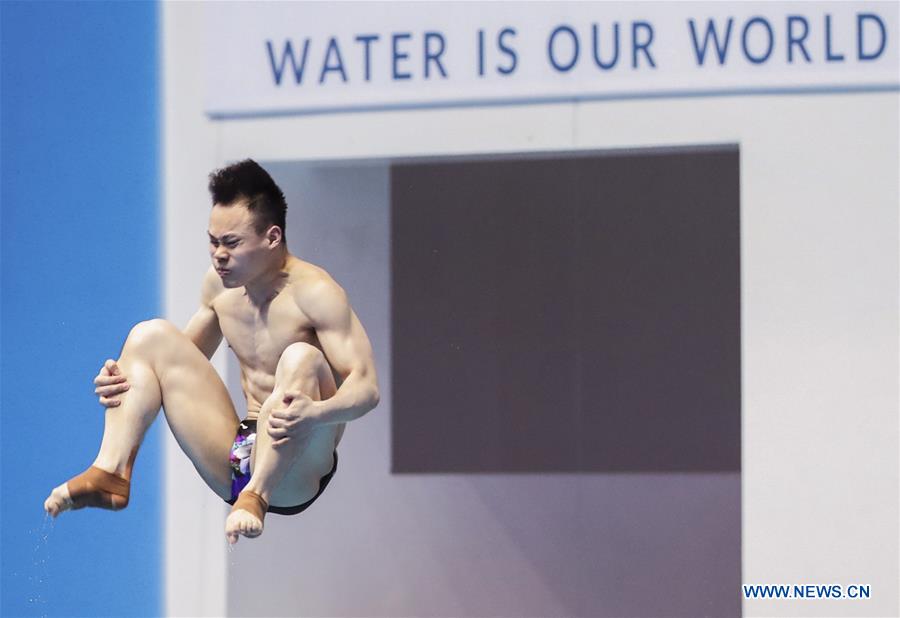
(306, 370)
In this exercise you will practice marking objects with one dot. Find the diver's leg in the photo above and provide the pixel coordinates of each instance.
(164, 368)
(289, 473)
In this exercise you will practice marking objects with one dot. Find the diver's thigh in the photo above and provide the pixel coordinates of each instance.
(315, 460)
(200, 413)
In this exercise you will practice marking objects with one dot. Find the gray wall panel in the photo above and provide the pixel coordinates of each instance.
(567, 314)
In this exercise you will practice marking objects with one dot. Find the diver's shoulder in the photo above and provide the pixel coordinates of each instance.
(308, 279)
(303, 273)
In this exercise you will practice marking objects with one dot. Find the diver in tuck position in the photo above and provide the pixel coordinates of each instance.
(306, 370)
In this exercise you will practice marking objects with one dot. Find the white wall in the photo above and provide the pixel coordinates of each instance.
(193, 522)
(819, 202)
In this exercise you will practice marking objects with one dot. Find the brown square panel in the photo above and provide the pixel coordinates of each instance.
(568, 314)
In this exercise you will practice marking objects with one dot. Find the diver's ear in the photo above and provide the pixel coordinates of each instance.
(274, 236)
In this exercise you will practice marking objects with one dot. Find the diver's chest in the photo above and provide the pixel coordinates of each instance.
(262, 334)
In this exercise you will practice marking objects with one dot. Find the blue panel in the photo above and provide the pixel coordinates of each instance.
(80, 265)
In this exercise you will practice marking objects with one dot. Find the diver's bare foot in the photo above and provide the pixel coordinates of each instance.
(246, 516)
(58, 501)
(94, 487)
(240, 522)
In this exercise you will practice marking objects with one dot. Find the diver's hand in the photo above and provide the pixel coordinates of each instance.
(110, 384)
(298, 416)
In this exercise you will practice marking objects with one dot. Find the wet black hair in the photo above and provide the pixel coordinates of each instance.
(246, 182)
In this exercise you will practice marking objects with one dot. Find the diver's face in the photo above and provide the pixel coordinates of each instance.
(238, 252)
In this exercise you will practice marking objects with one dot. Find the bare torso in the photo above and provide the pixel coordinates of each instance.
(259, 333)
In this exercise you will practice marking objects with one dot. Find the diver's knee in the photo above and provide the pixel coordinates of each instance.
(150, 334)
(299, 360)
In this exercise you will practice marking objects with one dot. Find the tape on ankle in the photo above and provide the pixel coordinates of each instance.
(252, 503)
(99, 488)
